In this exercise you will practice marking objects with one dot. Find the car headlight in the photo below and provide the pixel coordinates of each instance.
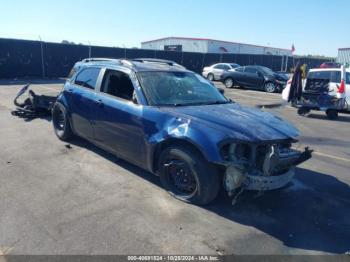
(236, 152)
(281, 82)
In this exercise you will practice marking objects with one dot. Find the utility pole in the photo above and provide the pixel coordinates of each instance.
(203, 60)
(89, 49)
(42, 56)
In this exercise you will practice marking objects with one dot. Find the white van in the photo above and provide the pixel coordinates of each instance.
(334, 77)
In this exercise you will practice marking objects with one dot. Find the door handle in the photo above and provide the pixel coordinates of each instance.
(70, 90)
(99, 102)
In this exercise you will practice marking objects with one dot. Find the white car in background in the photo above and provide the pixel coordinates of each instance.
(214, 72)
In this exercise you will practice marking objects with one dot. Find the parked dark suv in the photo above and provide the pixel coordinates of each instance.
(176, 124)
(255, 77)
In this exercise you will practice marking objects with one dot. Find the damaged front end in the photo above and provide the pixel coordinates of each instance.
(260, 167)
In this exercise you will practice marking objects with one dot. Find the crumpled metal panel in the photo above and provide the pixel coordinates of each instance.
(268, 182)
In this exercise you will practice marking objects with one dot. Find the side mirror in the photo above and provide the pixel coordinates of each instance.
(221, 90)
(259, 74)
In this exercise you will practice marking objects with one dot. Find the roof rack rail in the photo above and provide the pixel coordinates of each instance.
(98, 59)
(154, 60)
(126, 62)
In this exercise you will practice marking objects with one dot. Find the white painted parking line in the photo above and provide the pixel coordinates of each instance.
(255, 97)
(332, 157)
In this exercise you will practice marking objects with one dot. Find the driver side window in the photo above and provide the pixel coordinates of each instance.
(118, 84)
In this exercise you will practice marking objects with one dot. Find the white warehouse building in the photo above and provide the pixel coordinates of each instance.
(343, 56)
(205, 45)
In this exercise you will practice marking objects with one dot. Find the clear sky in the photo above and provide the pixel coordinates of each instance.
(314, 26)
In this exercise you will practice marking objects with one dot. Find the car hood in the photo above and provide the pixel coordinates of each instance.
(235, 121)
(281, 77)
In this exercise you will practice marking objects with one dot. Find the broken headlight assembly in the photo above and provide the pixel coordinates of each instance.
(260, 166)
(239, 155)
(236, 152)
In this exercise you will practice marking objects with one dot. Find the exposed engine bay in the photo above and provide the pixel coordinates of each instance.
(261, 166)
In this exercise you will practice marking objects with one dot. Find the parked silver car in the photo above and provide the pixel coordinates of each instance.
(215, 71)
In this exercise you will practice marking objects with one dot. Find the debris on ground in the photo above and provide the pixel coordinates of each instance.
(34, 105)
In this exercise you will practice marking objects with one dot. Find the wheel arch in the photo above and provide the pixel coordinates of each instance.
(160, 147)
(229, 77)
(61, 99)
(269, 81)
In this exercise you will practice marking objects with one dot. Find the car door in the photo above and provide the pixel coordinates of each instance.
(81, 101)
(118, 124)
(218, 70)
(238, 75)
(252, 77)
(347, 88)
(335, 83)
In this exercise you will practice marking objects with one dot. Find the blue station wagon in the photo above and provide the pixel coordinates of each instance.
(177, 125)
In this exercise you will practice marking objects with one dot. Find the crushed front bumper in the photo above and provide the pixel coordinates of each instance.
(265, 183)
(276, 172)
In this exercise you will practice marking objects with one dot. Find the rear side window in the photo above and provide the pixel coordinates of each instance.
(88, 77)
(239, 69)
(251, 70)
(336, 77)
(226, 67)
(347, 78)
(320, 75)
(219, 66)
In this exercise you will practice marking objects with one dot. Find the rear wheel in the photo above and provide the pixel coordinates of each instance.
(60, 122)
(229, 83)
(210, 77)
(270, 87)
(187, 176)
(332, 114)
(303, 111)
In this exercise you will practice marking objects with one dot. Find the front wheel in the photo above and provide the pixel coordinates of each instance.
(210, 77)
(332, 114)
(270, 87)
(187, 176)
(303, 111)
(60, 122)
(229, 83)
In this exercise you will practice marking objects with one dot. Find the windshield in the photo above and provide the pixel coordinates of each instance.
(266, 70)
(179, 89)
